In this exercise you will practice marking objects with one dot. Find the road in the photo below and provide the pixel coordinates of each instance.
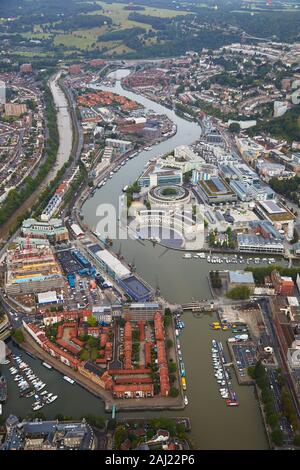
(267, 314)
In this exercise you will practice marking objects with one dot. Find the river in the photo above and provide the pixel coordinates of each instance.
(214, 426)
(65, 130)
(64, 124)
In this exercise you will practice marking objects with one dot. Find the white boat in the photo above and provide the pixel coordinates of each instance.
(187, 255)
(40, 387)
(37, 406)
(45, 364)
(68, 379)
(51, 399)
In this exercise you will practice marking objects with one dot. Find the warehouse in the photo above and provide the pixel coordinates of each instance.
(49, 297)
(77, 230)
(111, 264)
(259, 244)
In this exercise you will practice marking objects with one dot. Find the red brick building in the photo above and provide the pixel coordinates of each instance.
(283, 285)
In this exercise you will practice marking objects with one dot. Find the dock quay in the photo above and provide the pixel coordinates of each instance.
(220, 365)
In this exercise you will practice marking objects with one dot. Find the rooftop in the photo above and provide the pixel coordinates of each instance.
(241, 277)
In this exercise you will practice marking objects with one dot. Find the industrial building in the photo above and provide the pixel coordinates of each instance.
(48, 298)
(134, 287)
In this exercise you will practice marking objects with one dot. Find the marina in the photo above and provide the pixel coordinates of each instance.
(222, 375)
(29, 384)
(228, 259)
(3, 389)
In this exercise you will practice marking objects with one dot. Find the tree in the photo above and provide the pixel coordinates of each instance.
(297, 440)
(120, 435)
(272, 420)
(98, 421)
(239, 293)
(169, 343)
(234, 127)
(92, 321)
(18, 335)
(277, 437)
(167, 321)
(172, 367)
(174, 392)
(84, 355)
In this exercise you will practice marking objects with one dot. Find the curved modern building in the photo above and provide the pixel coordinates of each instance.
(171, 195)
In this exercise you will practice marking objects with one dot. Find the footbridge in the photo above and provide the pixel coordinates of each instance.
(200, 306)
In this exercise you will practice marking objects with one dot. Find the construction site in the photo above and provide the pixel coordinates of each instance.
(31, 269)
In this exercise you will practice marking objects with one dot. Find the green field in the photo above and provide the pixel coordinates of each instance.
(86, 39)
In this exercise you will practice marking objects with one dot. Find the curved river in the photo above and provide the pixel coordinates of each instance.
(214, 426)
(64, 124)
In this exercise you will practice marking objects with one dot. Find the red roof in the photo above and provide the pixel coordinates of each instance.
(127, 345)
(59, 352)
(148, 347)
(133, 379)
(128, 371)
(141, 325)
(68, 346)
(158, 326)
(133, 388)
